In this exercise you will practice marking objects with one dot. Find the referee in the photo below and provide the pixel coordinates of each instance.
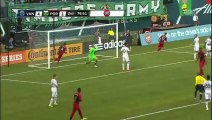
(199, 81)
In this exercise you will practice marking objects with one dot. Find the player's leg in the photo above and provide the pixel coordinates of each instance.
(201, 92)
(96, 60)
(128, 63)
(80, 113)
(160, 46)
(195, 92)
(52, 99)
(89, 60)
(201, 67)
(59, 57)
(55, 98)
(123, 62)
(73, 112)
(196, 49)
(99, 40)
(208, 48)
(207, 98)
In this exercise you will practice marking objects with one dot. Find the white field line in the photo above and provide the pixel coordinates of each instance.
(162, 111)
(84, 62)
(178, 52)
(118, 73)
(25, 81)
(101, 76)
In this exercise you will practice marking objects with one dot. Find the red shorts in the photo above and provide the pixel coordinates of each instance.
(160, 44)
(76, 106)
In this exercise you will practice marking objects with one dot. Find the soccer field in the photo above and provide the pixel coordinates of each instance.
(160, 86)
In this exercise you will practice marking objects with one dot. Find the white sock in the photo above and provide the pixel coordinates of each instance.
(123, 66)
(51, 101)
(128, 66)
(195, 56)
(206, 105)
(55, 100)
(209, 54)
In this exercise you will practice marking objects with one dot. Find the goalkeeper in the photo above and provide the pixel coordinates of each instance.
(92, 56)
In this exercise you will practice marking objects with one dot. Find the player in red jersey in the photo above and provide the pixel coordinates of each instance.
(161, 41)
(61, 51)
(98, 36)
(202, 60)
(76, 105)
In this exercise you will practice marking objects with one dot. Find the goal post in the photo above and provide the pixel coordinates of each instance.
(78, 40)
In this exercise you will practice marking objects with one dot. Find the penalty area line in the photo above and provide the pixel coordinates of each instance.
(162, 111)
(101, 76)
(84, 62)
(118, 73)
(11, 80)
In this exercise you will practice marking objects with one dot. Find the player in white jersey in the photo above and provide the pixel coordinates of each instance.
(125, 56)
(196, 46)
(208, 43)
(207, 86)
(54, 87)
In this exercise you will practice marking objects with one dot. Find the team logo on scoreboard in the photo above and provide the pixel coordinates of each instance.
(106, 13)
(22, 13)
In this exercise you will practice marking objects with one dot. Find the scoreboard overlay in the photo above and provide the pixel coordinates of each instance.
(69, 13)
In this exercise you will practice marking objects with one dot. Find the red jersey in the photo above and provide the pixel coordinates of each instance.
(162, 39)
(77, 98)
(201, 56)
(62, 49)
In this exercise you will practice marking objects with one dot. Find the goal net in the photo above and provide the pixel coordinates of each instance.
(44, 45)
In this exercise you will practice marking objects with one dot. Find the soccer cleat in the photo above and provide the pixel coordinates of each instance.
(207, 109)
(95, 66)
(55, 104)
(84, 119)
(50, 106)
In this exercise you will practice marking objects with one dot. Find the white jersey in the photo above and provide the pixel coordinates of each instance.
(125, 55)
(207, 85)
(54, 83)
(208, 41)
(196, 44)
(125, 51)
(196, 41)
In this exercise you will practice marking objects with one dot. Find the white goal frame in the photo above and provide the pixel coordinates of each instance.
(83, 27)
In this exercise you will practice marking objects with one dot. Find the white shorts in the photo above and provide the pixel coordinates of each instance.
(208, 47)
(196, 48)
(207, 95)
(54, 92)
(126, 59)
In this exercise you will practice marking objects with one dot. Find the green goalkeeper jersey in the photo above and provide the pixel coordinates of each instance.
(92, 52)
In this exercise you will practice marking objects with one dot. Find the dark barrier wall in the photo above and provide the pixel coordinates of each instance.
(203, 9)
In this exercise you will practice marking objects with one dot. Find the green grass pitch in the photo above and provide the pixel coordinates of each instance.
(160, 86)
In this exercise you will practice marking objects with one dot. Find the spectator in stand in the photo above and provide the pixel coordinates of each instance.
(105, 7)
(129, 39)
(138, 37)
(2, 43)
(196, 19)
(12, 43)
